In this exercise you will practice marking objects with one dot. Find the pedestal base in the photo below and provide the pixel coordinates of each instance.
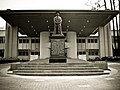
(57, 49)
(57, 60)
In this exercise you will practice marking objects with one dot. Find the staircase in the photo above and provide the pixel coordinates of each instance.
(36, 68)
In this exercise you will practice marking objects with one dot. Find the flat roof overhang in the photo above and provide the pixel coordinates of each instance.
(32, 22)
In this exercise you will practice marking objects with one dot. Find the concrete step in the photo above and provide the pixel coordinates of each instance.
(36, 68)
(56, 68)
(39, 63)
(61, 74)
(55, 71)
(57, 65)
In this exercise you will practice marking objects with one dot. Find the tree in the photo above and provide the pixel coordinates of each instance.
(95, 5)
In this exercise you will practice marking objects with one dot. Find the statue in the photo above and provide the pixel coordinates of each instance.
(57, 24)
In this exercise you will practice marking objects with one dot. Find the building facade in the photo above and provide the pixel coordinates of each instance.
(37, 25)
(28, 47)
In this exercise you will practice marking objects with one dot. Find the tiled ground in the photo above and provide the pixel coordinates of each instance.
(104, 82)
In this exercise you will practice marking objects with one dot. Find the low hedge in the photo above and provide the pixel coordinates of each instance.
(11, 60)
(111, 59)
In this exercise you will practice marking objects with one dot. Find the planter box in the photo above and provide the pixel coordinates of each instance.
(101, 64)
(14, 66)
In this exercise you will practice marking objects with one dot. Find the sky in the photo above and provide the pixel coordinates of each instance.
(43, 4)
(48, 4)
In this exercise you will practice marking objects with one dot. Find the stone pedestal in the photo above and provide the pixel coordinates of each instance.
(57, 52)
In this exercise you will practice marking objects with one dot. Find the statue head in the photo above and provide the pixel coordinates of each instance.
(57, 13)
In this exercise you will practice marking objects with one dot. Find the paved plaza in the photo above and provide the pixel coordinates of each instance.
(98, 82)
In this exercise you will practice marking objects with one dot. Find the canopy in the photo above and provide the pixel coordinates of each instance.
(32, 22)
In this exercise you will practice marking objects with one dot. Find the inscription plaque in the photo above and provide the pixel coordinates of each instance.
(57, 48)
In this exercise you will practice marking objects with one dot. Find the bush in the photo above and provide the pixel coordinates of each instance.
(90, 59)
(98, 59)
(11, 60)
(104, 58)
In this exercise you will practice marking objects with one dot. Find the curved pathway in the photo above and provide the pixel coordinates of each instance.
(102, 82)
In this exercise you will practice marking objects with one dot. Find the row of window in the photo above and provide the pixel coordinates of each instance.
(80, 40)
(93, 52)
(92, 41)
(89, 41)
(81, 53)
(23, 53)
(27, 40)
(35, 41)
(23, 40)
(26, 53)
(2, 40)
(35, 53)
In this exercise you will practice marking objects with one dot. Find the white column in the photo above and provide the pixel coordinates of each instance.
(105, 41)
(86, 48)
(101, 41)
(110, 51)
(11, 41)
(6, 52)
(15, 42)
(72, 42)
(30, 47)
(44, 45)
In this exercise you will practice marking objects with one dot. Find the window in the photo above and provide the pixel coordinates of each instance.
(35, 53)
(2, 53)
(80, 40)
(92, 41)
(93, 52)
(23, 40)
(82, 53)
(95, 40)
(51, 34)
(96, 53)
(88, 40)
(65, 40)
(2, 40)
(23, 53)
(35, 41)
(20, 40)
(77, 40)
(83, 40)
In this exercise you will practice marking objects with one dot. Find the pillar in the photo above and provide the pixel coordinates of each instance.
(105, 41)
(44, 45)
(72, 41)
(11, 42)
(30, 47)
(86, 48)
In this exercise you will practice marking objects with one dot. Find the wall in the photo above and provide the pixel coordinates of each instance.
(44, 45)
(72, 44)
